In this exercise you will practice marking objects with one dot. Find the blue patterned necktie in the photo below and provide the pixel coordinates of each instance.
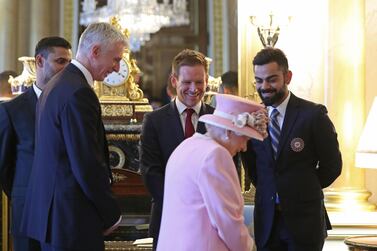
(274, 129)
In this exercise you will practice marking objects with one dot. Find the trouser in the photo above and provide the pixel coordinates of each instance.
(49, 247)
(282, 240)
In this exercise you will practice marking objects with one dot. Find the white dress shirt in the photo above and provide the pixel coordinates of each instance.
(182, 114)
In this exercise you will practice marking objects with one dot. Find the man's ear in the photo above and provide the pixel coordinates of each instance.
(39, 61)
(173, 80)
(95, 51)
(288, 77)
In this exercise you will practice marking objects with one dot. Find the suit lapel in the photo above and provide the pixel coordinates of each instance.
(32, 101)
(174, 119)
(268, 147)
(289, 120)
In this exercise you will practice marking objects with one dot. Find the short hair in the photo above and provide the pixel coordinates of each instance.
(104, 34)
(214, 131)
(188, 57)
(45, 45)
(269, 55)
(230, 79)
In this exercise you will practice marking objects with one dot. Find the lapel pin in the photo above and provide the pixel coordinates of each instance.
(297, 144)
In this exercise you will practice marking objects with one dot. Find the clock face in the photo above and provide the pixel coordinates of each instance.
(118, 78)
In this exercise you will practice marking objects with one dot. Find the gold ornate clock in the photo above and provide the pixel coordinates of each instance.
(118, 78)
(119, 95)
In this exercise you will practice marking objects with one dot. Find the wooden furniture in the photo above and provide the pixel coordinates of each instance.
(128, 183)
(123, 246)
(362, 243)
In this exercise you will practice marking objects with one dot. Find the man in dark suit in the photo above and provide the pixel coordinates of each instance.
(164, 129)
(69, 204)
(291, 167)
(17, 119)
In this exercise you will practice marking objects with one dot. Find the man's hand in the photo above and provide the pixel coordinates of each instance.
(259, 120)
(113, 227)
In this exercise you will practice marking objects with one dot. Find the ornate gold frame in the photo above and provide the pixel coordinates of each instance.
(5, 223)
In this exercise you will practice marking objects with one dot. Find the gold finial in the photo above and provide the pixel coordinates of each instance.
(115, 21)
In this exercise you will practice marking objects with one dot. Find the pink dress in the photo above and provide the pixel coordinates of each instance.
(203, 205)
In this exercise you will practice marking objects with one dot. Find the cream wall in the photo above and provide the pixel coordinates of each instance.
(22, 24)
(371, 79)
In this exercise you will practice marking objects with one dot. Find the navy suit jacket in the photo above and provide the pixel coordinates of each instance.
(162, 132)
(69, 202)
(308, 160)
(17, 119)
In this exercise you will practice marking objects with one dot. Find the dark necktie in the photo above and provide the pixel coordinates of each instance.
(274, 129)
(189, 127)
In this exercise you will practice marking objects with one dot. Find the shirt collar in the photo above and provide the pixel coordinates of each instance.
(181, 107)
(282, 107)
(85, 71)
(37, 90)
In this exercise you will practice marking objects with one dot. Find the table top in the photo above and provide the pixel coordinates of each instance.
(369, 241)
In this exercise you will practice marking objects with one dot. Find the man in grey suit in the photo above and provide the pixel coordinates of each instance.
(17, 118)
(69, 204)
(290, 167)
(164, 129)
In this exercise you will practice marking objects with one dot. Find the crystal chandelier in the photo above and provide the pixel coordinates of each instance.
(269, 28)
(140, 17)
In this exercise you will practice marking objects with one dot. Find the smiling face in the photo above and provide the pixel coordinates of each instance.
(106, 59)
(271, 83)
(190, 84)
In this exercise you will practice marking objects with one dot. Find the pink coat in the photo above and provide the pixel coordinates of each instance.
(203, 205)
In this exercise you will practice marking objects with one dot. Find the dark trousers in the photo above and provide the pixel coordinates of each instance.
(48, 247)
(21, 243)
(282, 240)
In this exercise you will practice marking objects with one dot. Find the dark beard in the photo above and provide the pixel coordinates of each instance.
(275, 99)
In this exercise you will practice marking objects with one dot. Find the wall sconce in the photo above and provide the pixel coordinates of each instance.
(268, 29)
(366, 153)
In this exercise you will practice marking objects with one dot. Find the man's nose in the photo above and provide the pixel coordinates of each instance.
(265, 84)
(193, 87)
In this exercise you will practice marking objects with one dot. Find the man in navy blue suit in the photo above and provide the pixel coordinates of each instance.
(69, 204)
(290, 167)
(164, 129)
(17, 119)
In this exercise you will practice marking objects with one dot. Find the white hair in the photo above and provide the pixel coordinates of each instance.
(103, 34)
(215, 132)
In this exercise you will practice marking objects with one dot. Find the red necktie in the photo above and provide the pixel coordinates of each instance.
(189, 127)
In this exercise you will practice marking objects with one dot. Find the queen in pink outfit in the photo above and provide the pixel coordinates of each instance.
(203, 205)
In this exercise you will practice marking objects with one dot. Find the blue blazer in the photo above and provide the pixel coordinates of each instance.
(308, 160)
(17, 119)
(162, 132)
(69, 202)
